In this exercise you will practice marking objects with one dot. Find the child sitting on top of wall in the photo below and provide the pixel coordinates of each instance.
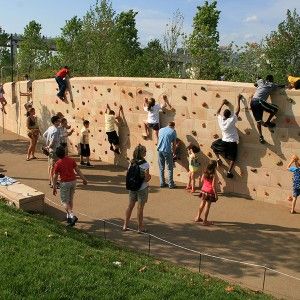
(2, 99)
(296, 180)
(110, 120)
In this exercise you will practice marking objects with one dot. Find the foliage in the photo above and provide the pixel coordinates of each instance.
(4, 51)
(282, 47)
(34, 53)
(41, 259)
(203, 42)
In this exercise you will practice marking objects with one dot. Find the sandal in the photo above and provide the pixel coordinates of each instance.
(28, 159)
(33, 157)
(198, 220)
(207, 223)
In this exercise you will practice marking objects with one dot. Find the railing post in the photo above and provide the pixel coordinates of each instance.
(149, 244)
(264, 280)
(200, 260)
(104, 229)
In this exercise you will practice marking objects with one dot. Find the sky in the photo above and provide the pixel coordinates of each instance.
(240, 20)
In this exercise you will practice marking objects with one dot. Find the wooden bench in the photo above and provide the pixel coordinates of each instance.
(24, 197)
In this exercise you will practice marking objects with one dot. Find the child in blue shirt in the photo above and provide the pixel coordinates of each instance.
(296, 180)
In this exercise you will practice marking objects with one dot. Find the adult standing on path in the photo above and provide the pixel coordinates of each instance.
(60, 78)
(166, 148)
(228, 144)
(33, 133)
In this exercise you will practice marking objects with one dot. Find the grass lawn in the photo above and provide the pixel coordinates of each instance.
(42, 259)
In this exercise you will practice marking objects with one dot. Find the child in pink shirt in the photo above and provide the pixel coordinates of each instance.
(208, 192)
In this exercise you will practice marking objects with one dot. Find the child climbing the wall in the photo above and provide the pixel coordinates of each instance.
(208, 192)
(110, 120)
(296, 180)
(85, 151)
(153, 110)
(2, 99)
(194, 164)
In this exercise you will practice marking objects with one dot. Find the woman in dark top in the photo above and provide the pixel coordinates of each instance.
(33, 133)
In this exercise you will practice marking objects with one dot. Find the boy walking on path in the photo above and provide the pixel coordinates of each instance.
(110, 121)
(166, 149)
(259, 104)
(84, 144)
(228, 145)
(60, 78)
(66, 167)
(296, 180)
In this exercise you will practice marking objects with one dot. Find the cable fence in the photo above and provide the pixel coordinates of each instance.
(260, 278)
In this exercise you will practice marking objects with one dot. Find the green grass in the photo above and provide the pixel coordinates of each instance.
(42, 259)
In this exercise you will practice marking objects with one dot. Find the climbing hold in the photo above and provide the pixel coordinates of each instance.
(183, 114)
(73, 118)
(94, 150)
(279, 184)
(157, 85)
(73, 86)
(193, 112)
(217, 95)
(130, 109)
(195, 94)
(109, 90)
(71, 143)
(253, 170)
(266, 194)
(254, 190)
(89, 87)
(57, 89)
(279, 163)
(130, 94)
(123, 91)
(76, 146)
(83, 103)
(56, 101)
(77, 133)
(105, 152)
(100, 130)
(101, 113)
(101, 94)
(137, 108)
(215, 136)
(289, 198)
(146, 84)
(115, 83)
(96, 120)
(77, 91)
(67, 111)
(89, 113)
(247, 132)
(95, 89)
(140, 91)
(178, 175)
(83, 88)
(209, 154)
(175, 86)
(194, 133)
(203, 88)
(267, 174)
(139, 126)
(203, 125)
(204, 104)
(165, 97)
(184, 98)
(115, 104)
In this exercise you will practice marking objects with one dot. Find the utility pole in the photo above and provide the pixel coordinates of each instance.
(12, 57)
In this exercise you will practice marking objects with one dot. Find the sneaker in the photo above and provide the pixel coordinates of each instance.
(69, 220)
(83, 163)
(73, 221)
(229, 175)
(262, 140)
(58, 185)
(269, 124)
(163, 185)
(89, 165)
(171, 187)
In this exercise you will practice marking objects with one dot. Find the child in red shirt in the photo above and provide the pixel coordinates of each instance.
(65, 168)
(60, 78)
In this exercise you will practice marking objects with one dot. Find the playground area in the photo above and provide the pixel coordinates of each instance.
(245, 230)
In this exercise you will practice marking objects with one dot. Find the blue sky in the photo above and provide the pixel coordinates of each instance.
(240, 21)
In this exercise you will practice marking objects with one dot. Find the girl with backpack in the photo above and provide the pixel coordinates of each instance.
(208, 192)
(137, 179)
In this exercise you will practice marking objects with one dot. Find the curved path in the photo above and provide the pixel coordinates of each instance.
(244, 230)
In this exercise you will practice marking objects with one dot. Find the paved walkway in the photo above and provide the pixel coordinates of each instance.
(244, 230)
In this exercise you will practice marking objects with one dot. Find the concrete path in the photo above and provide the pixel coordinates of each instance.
(244, 230)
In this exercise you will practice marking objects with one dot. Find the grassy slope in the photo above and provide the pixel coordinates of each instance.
(42, 259)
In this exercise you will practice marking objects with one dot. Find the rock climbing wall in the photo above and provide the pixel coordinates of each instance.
(261, 169)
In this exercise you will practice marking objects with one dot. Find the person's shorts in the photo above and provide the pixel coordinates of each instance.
(154, 126)
(140, 196)
(258, 108)
(229, 149)
(85, 150)
(193, 169)
(113, 137)
(296, 192)
(52, 158)
(67, 191)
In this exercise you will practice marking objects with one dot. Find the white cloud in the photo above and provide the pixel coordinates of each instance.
(252, 18)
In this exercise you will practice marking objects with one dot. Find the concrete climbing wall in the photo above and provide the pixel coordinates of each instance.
(261, 169)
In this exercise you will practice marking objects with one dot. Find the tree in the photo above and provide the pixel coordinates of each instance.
(173, 40)
(282, 47)
(34, 53)
(4, 51)
(203, 42)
